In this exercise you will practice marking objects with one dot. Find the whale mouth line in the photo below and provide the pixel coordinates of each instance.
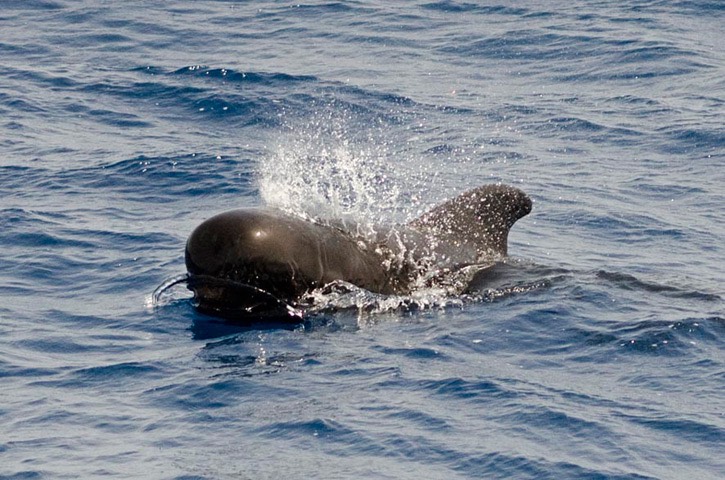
(230, 299)
(234, 300)
(164, 287)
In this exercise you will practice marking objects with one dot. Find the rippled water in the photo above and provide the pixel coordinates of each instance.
(600, 355)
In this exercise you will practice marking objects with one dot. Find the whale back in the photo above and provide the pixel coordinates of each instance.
(481, 217)
(259, 258)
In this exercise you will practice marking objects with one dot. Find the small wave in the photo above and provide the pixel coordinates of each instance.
(650, 337)
(630, 282)
(33, 5)
(154, 300)
(233, 76)
(665, 337)
(692, 430)
(473, 7)
(158, 176)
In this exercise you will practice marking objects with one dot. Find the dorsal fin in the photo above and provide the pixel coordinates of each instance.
(482, 217)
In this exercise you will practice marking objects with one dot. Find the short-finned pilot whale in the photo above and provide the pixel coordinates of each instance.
(260, 259)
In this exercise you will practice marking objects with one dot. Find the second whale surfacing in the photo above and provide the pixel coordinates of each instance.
(261, 261)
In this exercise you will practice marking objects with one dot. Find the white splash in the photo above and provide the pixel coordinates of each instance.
(330, 167)
(318, 170)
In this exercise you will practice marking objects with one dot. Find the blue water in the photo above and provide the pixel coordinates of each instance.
(125, 124)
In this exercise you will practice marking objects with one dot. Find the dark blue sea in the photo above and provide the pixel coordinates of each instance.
(601, 355)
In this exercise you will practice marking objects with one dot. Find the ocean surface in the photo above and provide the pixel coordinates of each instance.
(123, 125)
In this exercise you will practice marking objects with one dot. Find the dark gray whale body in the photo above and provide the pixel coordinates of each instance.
(259, 260)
